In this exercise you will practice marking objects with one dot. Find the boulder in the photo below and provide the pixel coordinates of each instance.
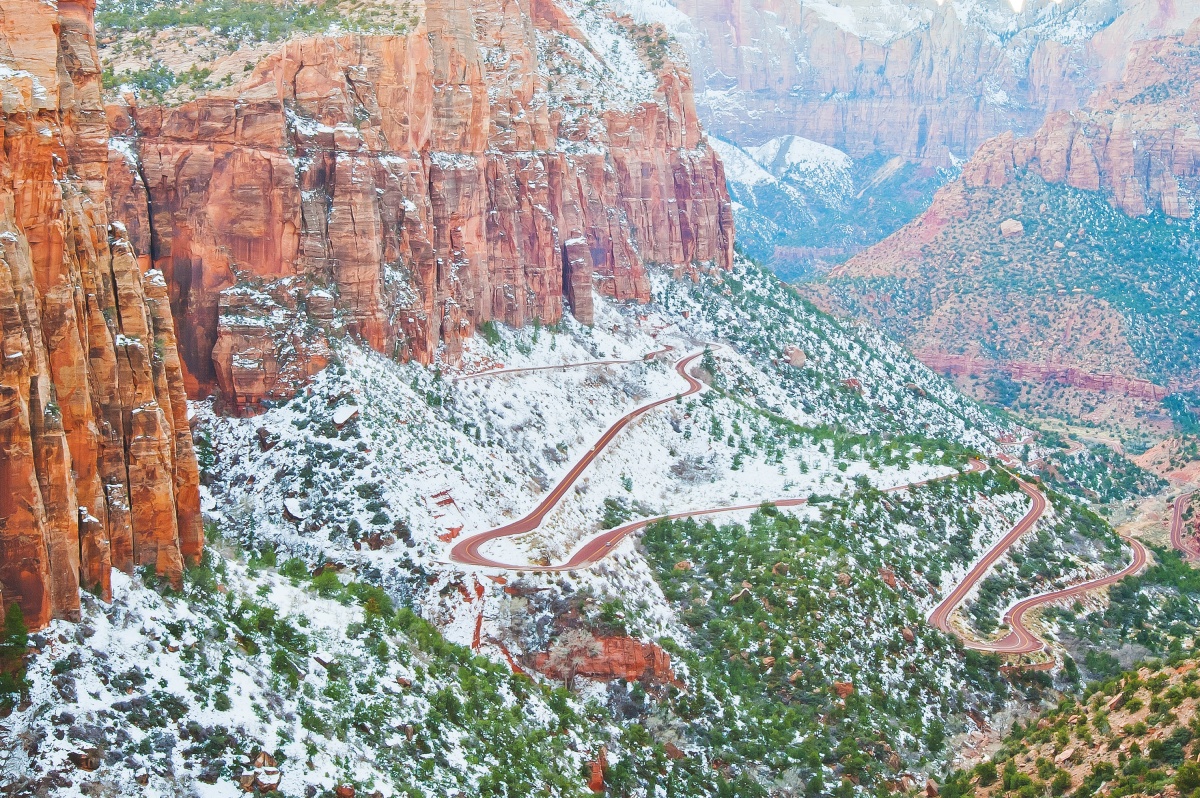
(795, 356)
(673, 751)
(1012, 228)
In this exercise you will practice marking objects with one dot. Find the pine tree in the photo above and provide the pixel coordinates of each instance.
(15, 637)
(14, 640)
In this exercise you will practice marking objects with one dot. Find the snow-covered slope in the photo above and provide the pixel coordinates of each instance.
(371, 475)
(252, 680)
(430, 454)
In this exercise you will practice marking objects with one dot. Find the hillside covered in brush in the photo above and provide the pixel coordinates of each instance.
(1061, 262)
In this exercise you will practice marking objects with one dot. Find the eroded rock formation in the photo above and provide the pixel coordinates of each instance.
(614, 658)
(97, 468)
(494, 163)
(1138, 140)
(1000, 275)
(498, 161)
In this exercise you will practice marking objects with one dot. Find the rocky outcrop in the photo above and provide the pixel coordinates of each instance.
(965, 365)
(1138, 140)
(495, 163)
(921, 79)
(615, 658)
(96, 462)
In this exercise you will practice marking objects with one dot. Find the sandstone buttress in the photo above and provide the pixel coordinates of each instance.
(97, 468)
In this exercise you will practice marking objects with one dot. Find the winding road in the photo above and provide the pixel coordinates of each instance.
(1189, 545)
(467, 551)
(940, 617)
(561, 367)
(1018, 640)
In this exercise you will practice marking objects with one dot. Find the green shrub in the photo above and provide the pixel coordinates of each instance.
(14, 641)
(294, 568)
(986, 772)
(490, 333)
(1187, 778)
(255, 20)
(327, 584)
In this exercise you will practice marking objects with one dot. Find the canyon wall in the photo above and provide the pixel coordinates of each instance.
(500, 161)
(1137, 141)
(97, 468)
(965, 366)
(925, 80)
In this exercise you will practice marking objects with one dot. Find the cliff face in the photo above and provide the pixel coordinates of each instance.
(96, 462)
(1137, 141)
(921, 79)
(498, 162)
(495, 162)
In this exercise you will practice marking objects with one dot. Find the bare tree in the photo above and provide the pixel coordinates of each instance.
(569, 650)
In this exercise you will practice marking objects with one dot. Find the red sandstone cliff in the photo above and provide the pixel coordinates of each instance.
(495, 163)
(1138, 140)
(614, 658)
(96, 462)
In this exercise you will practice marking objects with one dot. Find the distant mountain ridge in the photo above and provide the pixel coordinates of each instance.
(924, 80)
(802, 207)
(1067, 256)
(908, 89)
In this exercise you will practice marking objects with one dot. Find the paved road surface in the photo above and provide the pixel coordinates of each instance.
(940, 617)
(561, 366)
(467, 551)
(1189, 545)
(1019, 639)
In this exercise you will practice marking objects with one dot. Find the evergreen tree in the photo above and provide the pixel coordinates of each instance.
(14, 639)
